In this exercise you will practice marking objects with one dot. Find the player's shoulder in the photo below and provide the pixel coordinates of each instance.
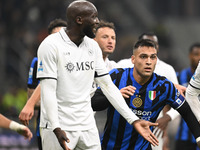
(120, 70)
(165, 65)
(52, 38)
(90, 42)
(160, 79)
(123, 63)
(34, 60)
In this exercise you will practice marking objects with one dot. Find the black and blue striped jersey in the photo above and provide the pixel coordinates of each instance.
(32, 80)
(32, 84)
(184, 133)
(147, 102)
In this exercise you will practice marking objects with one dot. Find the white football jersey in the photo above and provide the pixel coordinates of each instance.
(74, 68)
(195, 80)
(110, 64)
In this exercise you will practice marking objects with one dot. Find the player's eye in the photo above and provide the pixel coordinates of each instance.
(143, 56)
(153, 56)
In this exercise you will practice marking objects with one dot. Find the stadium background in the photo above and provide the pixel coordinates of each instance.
(23, 25)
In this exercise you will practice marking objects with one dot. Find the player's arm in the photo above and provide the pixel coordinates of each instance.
(115, 97)
(48, 94)
(32, 80)
(191, 120)
(28, 110)
(181, 89)
(99, 101)
(21, 129)
(30, 93)
(192, 94)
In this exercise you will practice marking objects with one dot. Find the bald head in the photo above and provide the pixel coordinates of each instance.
(79, 8)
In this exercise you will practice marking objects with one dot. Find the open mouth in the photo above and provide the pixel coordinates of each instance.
(147, 69)
(110, 47)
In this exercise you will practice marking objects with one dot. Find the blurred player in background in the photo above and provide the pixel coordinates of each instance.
(184, 138)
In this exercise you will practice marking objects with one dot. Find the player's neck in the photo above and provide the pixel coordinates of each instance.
(140, 79)
(74, 36)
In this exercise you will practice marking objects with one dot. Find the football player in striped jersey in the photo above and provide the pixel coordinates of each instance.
(152, 93)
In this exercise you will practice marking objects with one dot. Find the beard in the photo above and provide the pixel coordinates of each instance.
(89, 32)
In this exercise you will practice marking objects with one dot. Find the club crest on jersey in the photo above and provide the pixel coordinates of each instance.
(137, 102)
(40, 67)
(152, 95)
(70, 67)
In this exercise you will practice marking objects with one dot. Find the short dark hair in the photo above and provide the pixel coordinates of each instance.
(56, 23)
(195, 45)
(147, 34)
(151, 34)
(144, 42)
(103, 24)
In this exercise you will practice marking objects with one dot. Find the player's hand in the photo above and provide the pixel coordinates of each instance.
(127, 91)
(142, 127)
(162, 125)
(26, 133)
(62, 138)
(181, 89)
(26, 114)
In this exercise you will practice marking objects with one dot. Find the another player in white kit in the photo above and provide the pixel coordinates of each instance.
(193, 91)
(68, 61)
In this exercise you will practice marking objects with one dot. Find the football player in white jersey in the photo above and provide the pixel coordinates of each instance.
(105, 36)
(68, 62)
(193, 91)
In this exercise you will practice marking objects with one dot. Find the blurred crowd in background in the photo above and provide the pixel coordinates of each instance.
(23, 25)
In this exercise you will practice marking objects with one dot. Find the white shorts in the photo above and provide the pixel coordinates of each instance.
(79, 140)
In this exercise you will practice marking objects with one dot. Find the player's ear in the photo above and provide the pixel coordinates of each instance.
(133, 59)
(79, 20)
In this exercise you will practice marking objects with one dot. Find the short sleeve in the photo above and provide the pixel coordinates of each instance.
(100, 66)
(47, 63)
(174, 97)
(32, 80)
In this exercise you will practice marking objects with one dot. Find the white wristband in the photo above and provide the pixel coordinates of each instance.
(173, 113)
(16, 126)
(197, 139)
